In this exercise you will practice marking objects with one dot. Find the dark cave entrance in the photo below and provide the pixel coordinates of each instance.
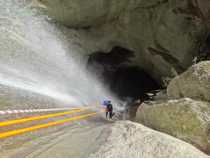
(115, 70)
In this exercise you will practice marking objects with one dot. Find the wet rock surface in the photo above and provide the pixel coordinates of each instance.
(132, 140)
(77, 140)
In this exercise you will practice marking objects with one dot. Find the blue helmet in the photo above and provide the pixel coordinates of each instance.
(106, 102)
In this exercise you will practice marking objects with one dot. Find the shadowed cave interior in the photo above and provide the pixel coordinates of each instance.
(128, 82)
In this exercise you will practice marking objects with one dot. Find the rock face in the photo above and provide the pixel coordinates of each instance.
(185, 119)
(164, 34)
(131, 140)
(194, 83)
(79, 13)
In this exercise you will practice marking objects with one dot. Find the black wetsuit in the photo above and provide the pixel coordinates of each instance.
(109, 110)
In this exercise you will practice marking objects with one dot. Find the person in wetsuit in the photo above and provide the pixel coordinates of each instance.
(109, 111)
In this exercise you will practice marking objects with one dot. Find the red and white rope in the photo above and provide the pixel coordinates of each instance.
(6, 112)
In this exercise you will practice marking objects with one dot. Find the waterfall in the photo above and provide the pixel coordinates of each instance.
(35, 57)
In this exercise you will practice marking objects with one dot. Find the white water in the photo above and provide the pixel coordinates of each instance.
(35, 57)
